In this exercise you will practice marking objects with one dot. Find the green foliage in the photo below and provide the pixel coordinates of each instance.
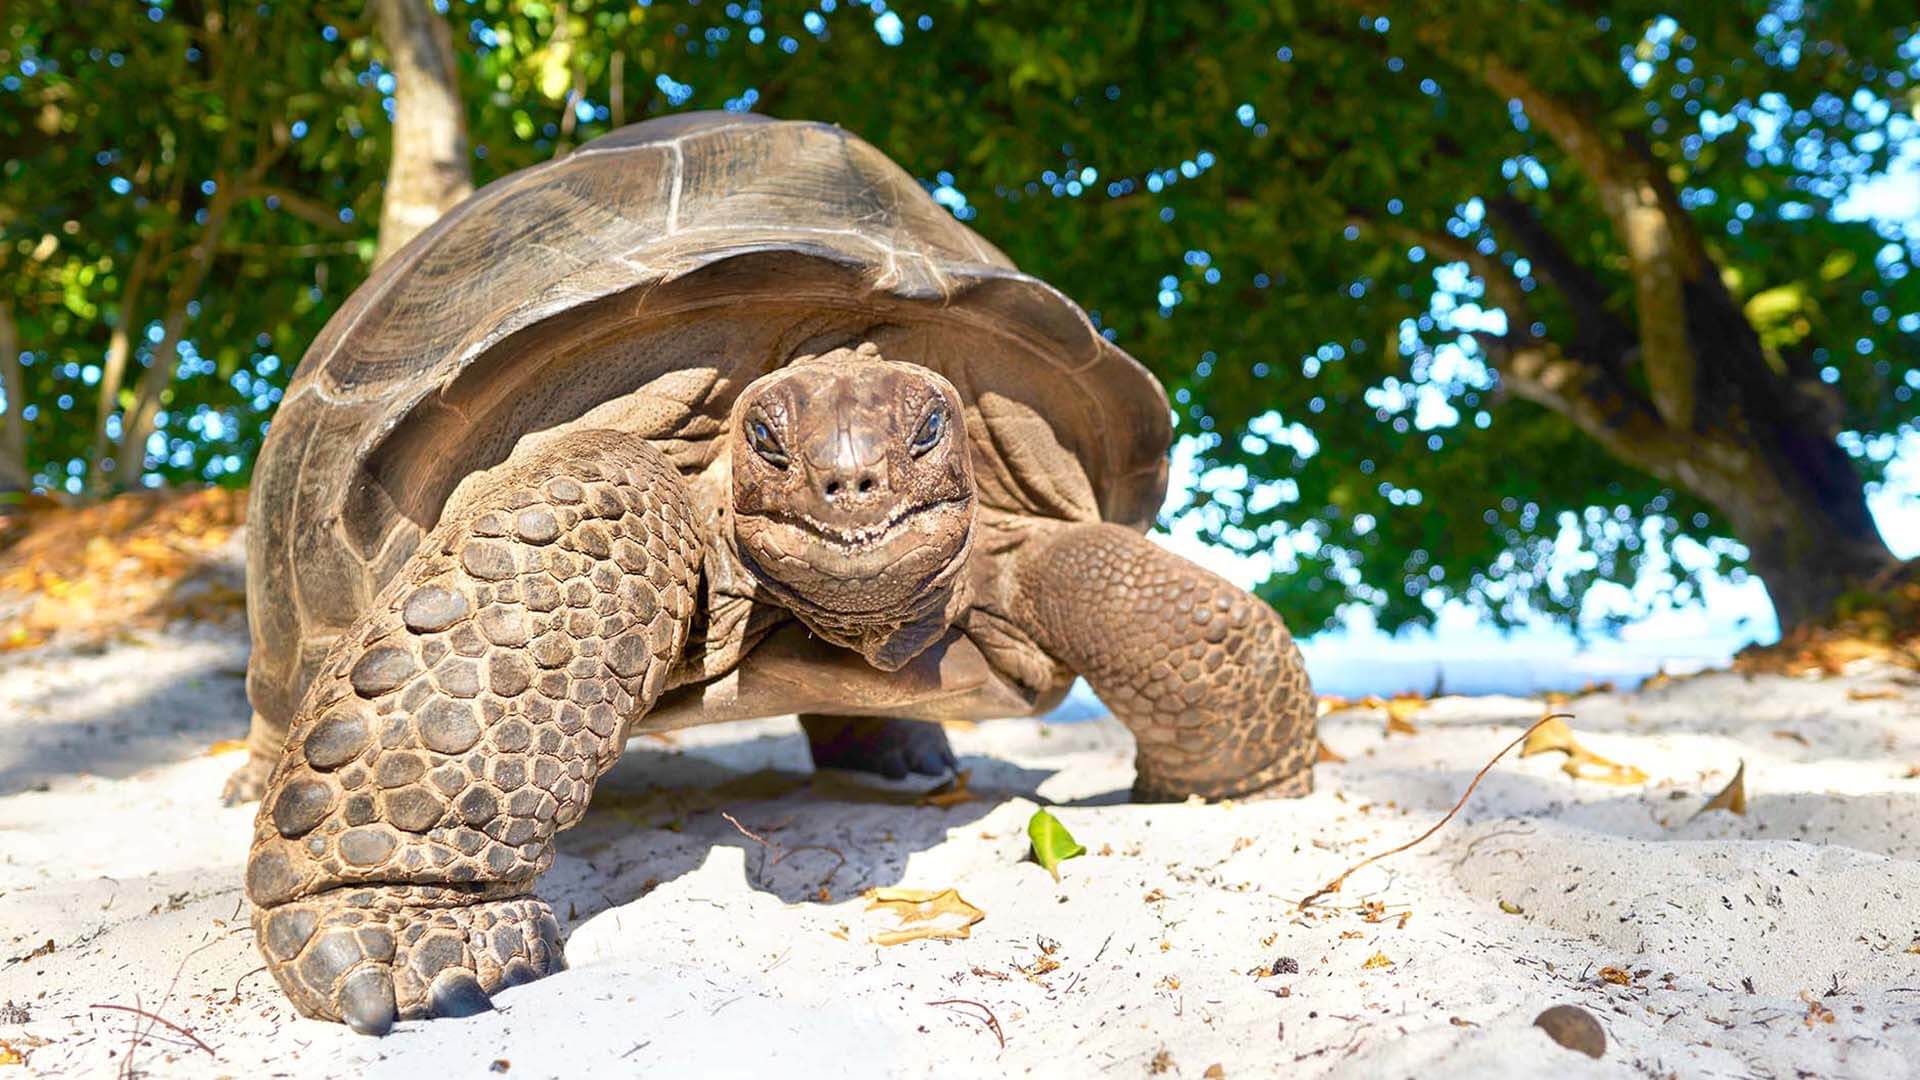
(1236, 190)
(1052, 843)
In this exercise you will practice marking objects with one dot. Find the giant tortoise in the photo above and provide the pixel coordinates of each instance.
(716, 417)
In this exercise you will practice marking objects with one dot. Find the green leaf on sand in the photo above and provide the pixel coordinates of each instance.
(1052, 843)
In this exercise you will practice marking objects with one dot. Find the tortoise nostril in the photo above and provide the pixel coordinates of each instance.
(866, 485)
(833, 488)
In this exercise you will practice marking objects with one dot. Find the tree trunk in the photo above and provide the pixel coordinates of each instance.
(14, 474)
(1809, 535)
(137, 425)
(429, 170)
(119, 349)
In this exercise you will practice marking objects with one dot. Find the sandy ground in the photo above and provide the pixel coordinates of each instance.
(1774, 944)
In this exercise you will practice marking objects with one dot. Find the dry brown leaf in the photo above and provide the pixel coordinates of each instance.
(1512, 908)
(1328, 756)
(952, 793)
(1331, 703)
(1400, 713)
(226, 746)
(9, 1055)
(1733, 797)
(1041, 965)
(1214, 1071)
(87, 571)
(920, 910)
(1377, 960)
(1886, 694)
(1555, 736)
(1615, 976)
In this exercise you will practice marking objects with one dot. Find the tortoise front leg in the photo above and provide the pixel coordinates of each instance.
(877, 744)
(460, 724)
(1205, 674)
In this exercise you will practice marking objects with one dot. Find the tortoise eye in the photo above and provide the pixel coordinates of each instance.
(929, 433)
(760, 437)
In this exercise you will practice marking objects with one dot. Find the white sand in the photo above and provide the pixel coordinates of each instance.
(693, 949)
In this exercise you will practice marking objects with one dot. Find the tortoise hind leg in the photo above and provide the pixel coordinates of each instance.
(264, 742)
(1205, 674)
(889, 747)
(460, 724)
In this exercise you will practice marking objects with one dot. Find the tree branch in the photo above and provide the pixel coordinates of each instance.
(1602, 336)
(306, 208)
(1663, 253)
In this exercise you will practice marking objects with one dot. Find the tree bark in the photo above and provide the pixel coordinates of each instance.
(14, 475)
(429, 170)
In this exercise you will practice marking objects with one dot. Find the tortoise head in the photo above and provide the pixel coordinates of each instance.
(853, 493)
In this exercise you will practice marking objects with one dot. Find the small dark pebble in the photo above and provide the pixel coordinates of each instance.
(14, 1014)
(1286, 965)
(1574, 1028)
(500, 1065)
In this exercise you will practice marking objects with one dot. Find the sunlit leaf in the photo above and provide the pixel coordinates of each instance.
(1052, 843)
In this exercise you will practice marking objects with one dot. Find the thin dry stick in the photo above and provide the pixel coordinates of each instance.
(1334, 885)
(781, 853)
(145, 1015)
(993, 1022)
(828, 848)
(746, 832)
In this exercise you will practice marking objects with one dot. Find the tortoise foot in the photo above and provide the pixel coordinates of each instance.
(891, 748)
(1285, 780)
(248, 782)
(370, 956)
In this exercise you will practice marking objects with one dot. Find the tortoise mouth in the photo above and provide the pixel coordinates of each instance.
(875, 570)
(855, 538)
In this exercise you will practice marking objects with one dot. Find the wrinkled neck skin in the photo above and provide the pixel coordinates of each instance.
(851, 500)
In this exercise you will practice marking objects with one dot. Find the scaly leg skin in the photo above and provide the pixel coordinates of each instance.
(460, 724)
(891, 748)
(1204, 674)
(246, 783)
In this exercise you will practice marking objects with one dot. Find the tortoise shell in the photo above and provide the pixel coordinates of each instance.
(662, 268)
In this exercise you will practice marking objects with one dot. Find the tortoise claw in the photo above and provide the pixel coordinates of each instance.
(933, 759)
(456, 994)
(366, 1001)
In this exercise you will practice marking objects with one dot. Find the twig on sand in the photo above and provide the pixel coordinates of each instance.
(138, 1035)
(993, 1022)
(780, 853)
(1334, 885)
(161, 1020)
(829, 849)
(746, 832)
